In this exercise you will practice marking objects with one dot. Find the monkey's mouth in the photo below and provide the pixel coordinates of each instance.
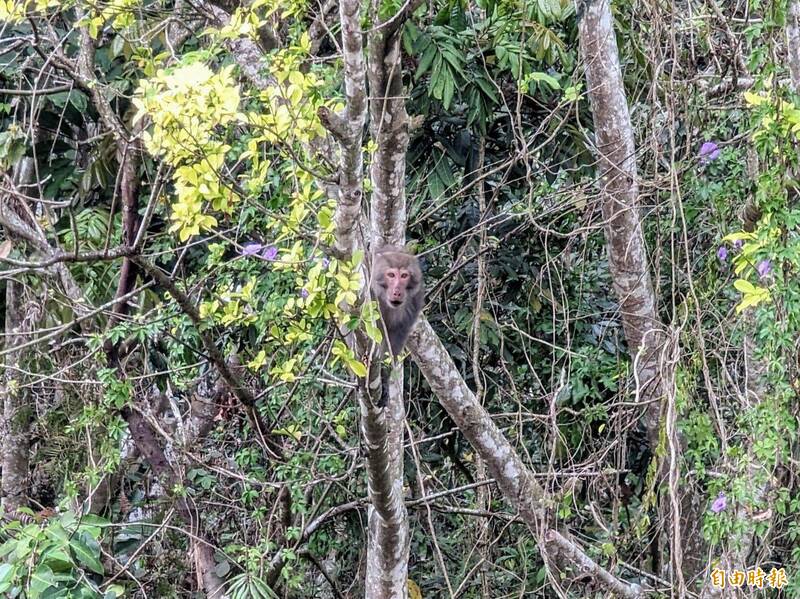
(396, 303)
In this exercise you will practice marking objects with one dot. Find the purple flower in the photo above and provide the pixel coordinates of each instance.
(709, 151)
(738, 244)
(251, 249)
(270, 253)
(722, 253)
(304, 293)
(764, 268)
(720, 503)
(325, 263)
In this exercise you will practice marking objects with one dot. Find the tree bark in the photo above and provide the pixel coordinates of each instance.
(627, 253)
(387, 563)
(382, 427)
(513, 477)
(793, 42)
(17, 409)
(20, 323)
(389, 129)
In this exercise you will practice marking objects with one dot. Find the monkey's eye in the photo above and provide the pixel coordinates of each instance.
(390, 275)
(404, 275)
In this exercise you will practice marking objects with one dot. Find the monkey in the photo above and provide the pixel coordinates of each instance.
(397, 285)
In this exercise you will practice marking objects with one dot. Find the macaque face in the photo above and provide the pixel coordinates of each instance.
(397, 282)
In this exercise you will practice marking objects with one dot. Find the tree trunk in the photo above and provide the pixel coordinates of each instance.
(627, 254)
(17, 408)
(387, 563)
(793, 42)
(20, 322)
(513, 477)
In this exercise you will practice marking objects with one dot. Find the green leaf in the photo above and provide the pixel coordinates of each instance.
(57, 558)
(6, 577)
(85, 555)
(548, 79)
(744, 286)
(358, 368)
(78, 100)
(93, 524)
(426, 61)
(449, 90)
(456, 61)
(487, 88)
(41, 579)
(739, 235)
(114, 591)
(435, 186)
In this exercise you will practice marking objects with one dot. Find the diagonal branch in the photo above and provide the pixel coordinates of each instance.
(245, 51)
(242, 393)
(513, 477)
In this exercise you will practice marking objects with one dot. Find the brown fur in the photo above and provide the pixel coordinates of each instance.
(407, 292)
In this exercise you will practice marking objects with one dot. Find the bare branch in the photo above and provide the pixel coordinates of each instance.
(513, 477)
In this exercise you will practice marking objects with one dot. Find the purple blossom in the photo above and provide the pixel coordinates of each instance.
(764, 268)
(720, 503)
(304, 293)
(722, 253)
(738, 243)
(709, 151)
(270, 253)
(251, 249)
(325, 263)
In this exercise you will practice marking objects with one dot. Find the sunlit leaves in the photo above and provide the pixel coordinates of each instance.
(186, 105)
(292, 103)
(15, 11)
(285, 371)
(12, 145)
(231, 306)
(777, 118)
(258, 362)
(751, 295)
(189, 218)
(746, 259)
(290, 430)
(119, 14)
(342, 353)
(370, 317)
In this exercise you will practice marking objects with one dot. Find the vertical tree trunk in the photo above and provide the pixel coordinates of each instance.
(484, 492)
(389, 129)
(387, 564)
(793, 42)
(627, 256)
(619, 190)
(382, 427)
(16, 408)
